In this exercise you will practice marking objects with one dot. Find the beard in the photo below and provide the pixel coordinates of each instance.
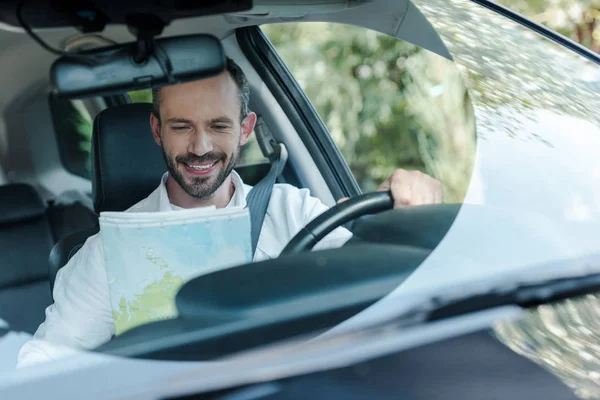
(201, 187)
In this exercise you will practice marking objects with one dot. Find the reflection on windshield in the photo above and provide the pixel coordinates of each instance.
(536, 107)
(563, 338)
(512, 70)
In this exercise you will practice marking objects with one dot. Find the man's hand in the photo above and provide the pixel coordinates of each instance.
(411, 188)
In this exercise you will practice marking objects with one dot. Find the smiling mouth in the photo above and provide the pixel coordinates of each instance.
(201, 167)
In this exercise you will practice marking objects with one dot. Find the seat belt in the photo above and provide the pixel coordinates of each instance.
(258, 198)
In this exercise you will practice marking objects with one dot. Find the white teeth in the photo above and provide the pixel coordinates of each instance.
(202, 167)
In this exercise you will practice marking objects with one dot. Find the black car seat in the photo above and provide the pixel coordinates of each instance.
(28, 230)
(127, 166)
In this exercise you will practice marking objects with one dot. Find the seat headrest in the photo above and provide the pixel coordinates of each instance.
(127, 165)
(19, 202)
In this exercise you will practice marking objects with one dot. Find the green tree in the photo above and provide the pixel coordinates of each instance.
(381, 113)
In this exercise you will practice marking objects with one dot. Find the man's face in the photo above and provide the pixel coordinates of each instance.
(200, 132)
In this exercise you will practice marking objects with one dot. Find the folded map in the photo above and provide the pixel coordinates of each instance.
(150, 255)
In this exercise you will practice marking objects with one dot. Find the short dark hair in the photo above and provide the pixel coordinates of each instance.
(240, 80)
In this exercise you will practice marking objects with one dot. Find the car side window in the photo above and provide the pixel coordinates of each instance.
(141, 96)
(387, 103)
(73, 129)
(249, 154)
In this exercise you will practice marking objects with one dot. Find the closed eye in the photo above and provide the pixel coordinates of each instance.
(179, 128)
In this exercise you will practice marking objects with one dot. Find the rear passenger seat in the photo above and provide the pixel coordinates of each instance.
(28, 230)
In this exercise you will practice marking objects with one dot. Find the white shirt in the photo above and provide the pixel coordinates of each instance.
(81, 316)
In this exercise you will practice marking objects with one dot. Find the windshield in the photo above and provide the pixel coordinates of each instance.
(345, 168)
(534, 105)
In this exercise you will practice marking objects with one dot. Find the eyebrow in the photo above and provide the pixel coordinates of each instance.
(179, 120)
(222, 120)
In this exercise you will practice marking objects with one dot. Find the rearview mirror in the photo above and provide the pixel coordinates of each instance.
(114, 69)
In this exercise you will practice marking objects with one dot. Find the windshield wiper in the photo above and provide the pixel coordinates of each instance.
(525, 295)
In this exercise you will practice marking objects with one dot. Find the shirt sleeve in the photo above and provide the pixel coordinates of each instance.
(81, 317)
(312, 208)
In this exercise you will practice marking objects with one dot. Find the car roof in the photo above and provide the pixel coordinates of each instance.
(42, 14)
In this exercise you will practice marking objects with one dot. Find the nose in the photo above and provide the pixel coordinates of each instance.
(200, 143)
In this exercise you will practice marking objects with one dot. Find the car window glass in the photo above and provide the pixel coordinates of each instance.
(387, 103)
(250, 152)
(141, 96)
(73, 128)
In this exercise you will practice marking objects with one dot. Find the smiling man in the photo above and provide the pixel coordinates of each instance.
(201, 136)
(201, 127)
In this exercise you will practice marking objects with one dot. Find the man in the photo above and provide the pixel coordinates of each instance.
(200, 127)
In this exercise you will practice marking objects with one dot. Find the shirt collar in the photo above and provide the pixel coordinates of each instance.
(238, 199)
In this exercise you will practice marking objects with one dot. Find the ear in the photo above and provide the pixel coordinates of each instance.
(155, 126)
(247, 127)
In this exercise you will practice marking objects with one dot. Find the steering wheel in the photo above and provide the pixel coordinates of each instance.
(318, 228)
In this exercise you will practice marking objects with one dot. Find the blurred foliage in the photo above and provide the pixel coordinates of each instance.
(387, 103)
(562, 337)
(141, 96)
(575, 19)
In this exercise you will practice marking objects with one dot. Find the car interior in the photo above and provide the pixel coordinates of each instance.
(46, 199)
(54, 183)
(73, 148)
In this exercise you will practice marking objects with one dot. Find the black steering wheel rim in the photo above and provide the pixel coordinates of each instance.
(318, 228)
